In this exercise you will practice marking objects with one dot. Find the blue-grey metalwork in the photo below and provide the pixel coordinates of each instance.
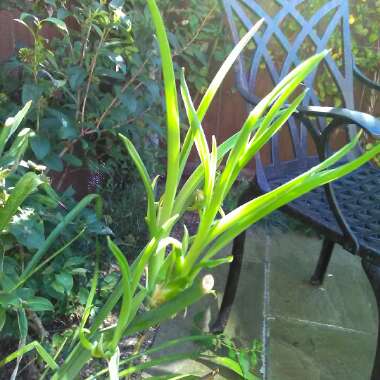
(347, 212)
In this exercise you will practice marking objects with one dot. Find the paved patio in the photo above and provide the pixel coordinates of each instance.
(325, 333)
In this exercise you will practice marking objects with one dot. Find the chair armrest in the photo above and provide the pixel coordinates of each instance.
(363, 120)
(340, 117)
(363, 78)
(245, 94)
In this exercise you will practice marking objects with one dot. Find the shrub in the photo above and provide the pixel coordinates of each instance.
(165, 275)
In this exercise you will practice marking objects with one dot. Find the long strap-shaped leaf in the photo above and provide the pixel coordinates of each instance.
(213, 88)
(27, 348)
(151, 212)
(127, 294)
(199, 136)
(58, 230)
(172, 114)
(256, 209)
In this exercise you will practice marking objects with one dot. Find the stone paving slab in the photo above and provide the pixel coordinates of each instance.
(309, 333)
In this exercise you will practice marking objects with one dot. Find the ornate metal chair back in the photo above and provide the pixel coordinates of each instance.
(294, 30)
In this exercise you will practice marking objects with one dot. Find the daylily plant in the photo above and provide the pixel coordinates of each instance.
(165, 277)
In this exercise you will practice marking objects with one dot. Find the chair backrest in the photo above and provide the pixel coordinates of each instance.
(292, 31)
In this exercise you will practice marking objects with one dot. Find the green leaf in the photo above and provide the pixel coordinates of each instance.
(22, 323)
(27, 348)
(11, 126)
(14, 154)
(40, 146)
(56, 232)
(77, 76)
(28, 229)
(231, 364)
(25, 293)
(54, 162)
(9, 299)
(30, 92)
(199, 137)
(57, 22)
(25, 15)
(63, 123)
(40, 304)
(3, 317)
(79, 271)
(83, 295)
(151, 212)
(58, 287)
(24, 187)
(127, 296)
(172, 113)
(73, 160)
(66, 280)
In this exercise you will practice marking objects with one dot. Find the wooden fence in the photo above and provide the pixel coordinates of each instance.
(225, 117)
(12, 34)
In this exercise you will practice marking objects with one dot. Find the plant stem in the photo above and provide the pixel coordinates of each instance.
(91, 75)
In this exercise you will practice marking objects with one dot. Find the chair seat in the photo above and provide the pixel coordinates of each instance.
(358, 196)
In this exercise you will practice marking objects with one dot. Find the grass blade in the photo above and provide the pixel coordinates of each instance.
(57, 231)
(151, 214)
(127, 294)
(27, 348)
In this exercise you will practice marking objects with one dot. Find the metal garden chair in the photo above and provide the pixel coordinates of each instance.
(348, 211)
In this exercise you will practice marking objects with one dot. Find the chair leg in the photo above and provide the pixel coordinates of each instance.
(373, 273)
(323, 262)
(231, 285)
(233, 274)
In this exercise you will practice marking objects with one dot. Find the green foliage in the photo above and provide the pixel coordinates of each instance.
(164, 278)
(99, 75)
(30, 226)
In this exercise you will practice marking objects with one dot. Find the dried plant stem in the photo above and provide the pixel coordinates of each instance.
(85, 40)
(91, 75)
(37, 325)
(115, 101)
(198, 31)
